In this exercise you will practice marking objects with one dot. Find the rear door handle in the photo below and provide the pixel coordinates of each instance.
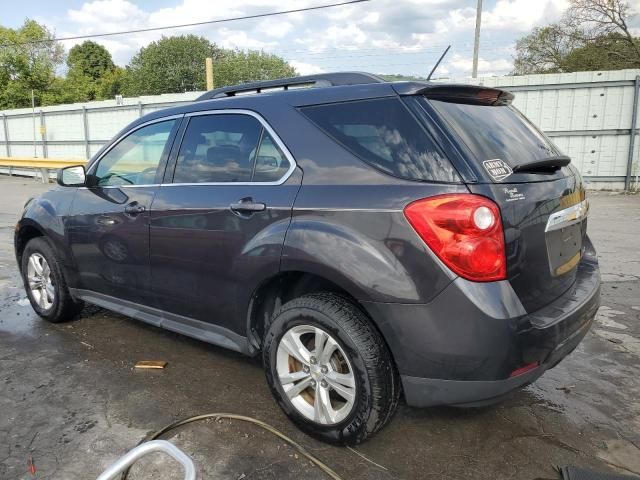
(248, 206)
(134, 208)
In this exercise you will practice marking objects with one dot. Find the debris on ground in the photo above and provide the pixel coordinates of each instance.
(151, 364)
(566, 388)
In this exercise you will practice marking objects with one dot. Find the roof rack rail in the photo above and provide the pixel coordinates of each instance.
(319, 80)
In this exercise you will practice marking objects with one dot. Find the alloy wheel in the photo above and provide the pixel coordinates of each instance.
(315, 374)
(41, 281)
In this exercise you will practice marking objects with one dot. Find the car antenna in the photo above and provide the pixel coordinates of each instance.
(438, 62)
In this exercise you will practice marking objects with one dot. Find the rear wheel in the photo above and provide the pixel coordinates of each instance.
(45, 284)
(329, 369)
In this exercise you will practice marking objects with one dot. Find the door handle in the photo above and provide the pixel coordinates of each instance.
(248, 206)
(134, 208)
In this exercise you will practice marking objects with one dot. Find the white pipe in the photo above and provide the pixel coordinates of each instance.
(140, 451)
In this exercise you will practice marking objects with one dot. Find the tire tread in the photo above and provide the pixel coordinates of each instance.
(383, 378)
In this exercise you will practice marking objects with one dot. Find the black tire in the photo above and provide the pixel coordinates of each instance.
(63, 307)
(376, 379)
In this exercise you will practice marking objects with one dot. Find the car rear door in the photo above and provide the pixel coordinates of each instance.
(108, 225)
(218, 220)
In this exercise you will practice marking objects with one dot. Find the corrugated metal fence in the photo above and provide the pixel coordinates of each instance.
(589, 115)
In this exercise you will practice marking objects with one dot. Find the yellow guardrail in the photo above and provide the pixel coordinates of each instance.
(42, 164)
(52, 163)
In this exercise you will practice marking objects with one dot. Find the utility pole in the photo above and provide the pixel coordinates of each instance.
(208, 63)
(476, 43)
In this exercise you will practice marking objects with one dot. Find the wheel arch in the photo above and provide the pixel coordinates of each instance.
(27, 231)
(287, 285)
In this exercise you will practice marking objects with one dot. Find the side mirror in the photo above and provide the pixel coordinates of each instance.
(72, 176)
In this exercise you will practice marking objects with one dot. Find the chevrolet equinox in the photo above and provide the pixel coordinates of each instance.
(370, 240)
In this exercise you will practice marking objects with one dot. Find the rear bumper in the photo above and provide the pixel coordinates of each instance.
(461, 348)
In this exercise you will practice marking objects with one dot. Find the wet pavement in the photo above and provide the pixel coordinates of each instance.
(71, 399)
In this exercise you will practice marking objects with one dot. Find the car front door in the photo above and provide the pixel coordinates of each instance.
(218, 221)
(108, 225)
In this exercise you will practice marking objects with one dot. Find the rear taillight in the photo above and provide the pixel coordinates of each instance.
(464, 231)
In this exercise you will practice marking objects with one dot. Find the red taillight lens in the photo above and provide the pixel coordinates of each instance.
(464, 231)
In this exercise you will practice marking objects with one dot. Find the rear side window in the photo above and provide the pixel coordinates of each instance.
(497, 132)
(224, 148)
(384, 134)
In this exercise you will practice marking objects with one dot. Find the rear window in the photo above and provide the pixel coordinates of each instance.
(497, 132)
(384, 134)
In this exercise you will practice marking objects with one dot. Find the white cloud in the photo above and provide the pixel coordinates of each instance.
(306, 68)
(242, 40)
(275, 28)
(395, 36)
(522, 15)
(485, 67)
(112, 12)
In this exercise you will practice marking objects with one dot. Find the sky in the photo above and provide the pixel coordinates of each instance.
(379, 36)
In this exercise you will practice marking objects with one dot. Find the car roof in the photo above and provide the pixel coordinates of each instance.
(309, 90)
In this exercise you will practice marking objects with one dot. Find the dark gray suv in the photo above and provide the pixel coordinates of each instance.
(369, 239)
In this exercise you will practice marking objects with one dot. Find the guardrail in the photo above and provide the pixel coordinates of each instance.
(42, 164)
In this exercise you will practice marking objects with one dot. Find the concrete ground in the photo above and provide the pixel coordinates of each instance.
(70, 398)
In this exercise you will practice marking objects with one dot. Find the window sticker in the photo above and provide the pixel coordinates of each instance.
(498, 169)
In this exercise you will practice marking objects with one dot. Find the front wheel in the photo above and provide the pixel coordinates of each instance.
(329, 369)
(45, 283)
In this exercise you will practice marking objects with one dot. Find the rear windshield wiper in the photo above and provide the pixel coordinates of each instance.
(543, 165)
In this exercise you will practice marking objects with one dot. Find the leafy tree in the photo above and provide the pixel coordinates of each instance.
(609, 52)
(29, 56)
(236, 66)
(172, 64)
(67, 90)
(595, 19)
(176, 64)
(592, 35)
(544, 50)
(111, 83)
(90, 59)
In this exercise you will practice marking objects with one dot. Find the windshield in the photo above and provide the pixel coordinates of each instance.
(497, 132)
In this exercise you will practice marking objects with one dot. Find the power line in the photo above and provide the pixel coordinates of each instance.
(195, 24)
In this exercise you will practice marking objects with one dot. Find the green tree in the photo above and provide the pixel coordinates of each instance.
(90, 59)
(597, 19)
(172, 64)
(111, 83)
(176, 64)
(592, 35)
(544, 50)
(609, 52)
(29, 56)
(236, 66)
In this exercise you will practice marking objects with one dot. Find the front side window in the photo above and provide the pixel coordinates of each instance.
(136, 158)
(385, 135)
(221, 148)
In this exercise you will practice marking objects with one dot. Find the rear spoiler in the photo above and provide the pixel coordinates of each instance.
(456, 93)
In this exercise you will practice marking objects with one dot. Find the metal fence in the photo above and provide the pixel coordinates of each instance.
(589, 115)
